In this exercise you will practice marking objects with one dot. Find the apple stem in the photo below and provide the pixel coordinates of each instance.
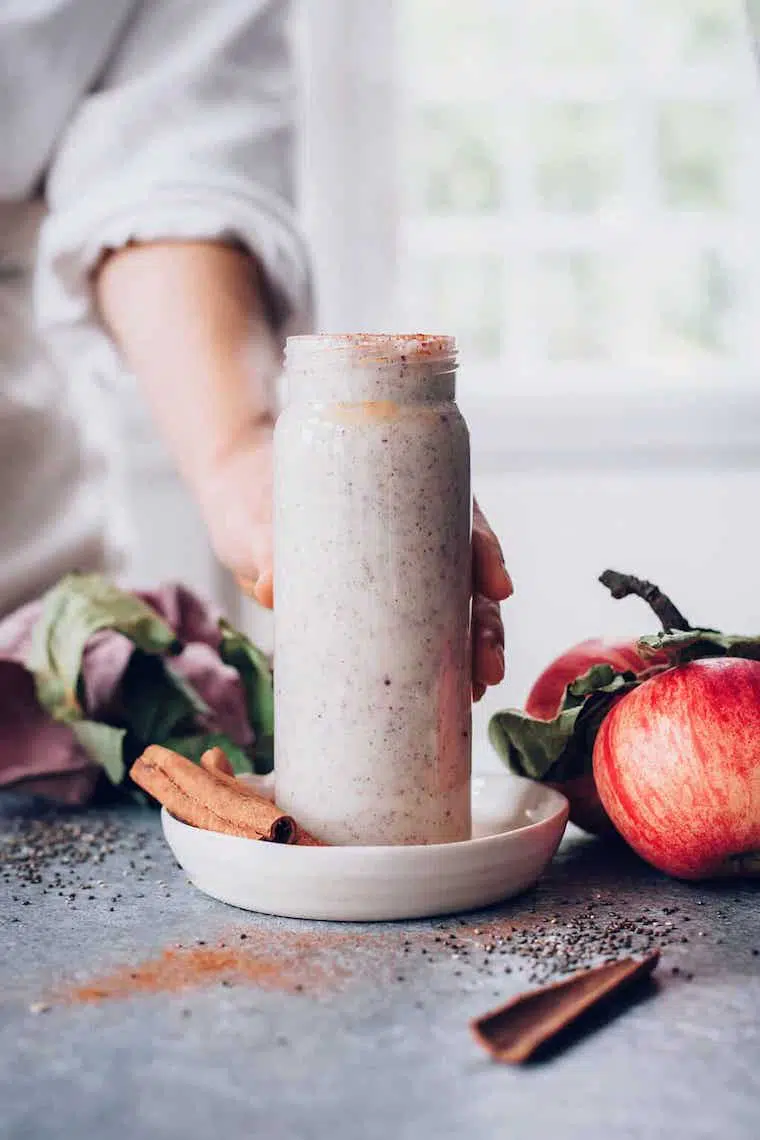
(623, 585)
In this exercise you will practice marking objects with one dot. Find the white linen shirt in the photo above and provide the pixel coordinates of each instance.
(120, 120)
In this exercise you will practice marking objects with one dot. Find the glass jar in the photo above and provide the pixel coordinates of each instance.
(372, 563)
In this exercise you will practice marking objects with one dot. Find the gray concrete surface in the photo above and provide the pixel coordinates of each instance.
(361, 1055)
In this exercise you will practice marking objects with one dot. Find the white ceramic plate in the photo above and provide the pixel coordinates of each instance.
(517, 827)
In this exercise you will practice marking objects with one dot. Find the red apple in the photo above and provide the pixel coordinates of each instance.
(545, 698)
(677, 768)
(586, 809)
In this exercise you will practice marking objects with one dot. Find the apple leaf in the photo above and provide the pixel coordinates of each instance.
(560, 749)
(690, 645)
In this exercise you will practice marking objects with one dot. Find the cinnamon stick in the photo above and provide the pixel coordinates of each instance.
(215, 761)
(514, 1032)
(210, 801)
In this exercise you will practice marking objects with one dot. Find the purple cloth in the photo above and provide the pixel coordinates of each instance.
(42, 756)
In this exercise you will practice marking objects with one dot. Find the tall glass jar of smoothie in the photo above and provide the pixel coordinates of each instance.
(372, 591)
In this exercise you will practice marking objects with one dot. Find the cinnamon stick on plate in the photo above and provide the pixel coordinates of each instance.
(215, 761)
(210, 800)
(516, 1031)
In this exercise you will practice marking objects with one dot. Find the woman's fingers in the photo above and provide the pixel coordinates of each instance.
(486, 618)
(490, 576)
(264, 590)
(487, 643)
(260, 588)
(491, 584)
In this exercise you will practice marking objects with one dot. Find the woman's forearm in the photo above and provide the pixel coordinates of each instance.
(190, 321)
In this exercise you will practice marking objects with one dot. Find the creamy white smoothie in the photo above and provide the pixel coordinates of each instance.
(372, 592)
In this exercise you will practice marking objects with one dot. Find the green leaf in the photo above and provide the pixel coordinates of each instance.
(104, 744)
(194, 746)
(693, 644)
(560, 749)
(157, 703)
(76, 608)
(237, 650)
(532, 747)
(598, 677)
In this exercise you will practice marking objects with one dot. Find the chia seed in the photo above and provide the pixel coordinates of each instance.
(52, 851)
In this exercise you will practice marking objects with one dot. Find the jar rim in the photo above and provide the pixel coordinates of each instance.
(373, 349)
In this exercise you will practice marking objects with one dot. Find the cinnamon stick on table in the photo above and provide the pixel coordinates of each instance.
(516, 1031)
(210, 800)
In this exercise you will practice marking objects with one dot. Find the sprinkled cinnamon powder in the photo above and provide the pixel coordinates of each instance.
(288, 964)
(176, 970)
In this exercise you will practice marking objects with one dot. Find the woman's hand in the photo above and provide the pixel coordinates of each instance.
(191, 322)
(236, 501)
(491, 584)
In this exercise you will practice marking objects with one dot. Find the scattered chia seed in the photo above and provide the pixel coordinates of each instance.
(549, 949)
(53, 851)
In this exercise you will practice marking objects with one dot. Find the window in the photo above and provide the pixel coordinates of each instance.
(580, 187)
(571, 186)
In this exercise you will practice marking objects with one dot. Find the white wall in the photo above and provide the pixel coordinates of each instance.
(693, 532)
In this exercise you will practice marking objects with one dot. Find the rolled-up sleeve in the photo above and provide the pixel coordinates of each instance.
(188, 135)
